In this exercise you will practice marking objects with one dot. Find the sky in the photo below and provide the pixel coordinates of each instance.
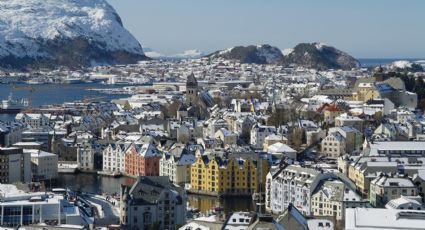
(362, 28)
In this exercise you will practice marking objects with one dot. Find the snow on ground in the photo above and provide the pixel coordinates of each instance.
(287, 51)
(402, 64)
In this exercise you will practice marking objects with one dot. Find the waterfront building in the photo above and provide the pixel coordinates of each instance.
(33, 120)
(220, 176)
(44, 165)
(19, 208)
(177, 166)
(15, 166)
(85, 157)
(152, 202)
(142, 160)
(114, 157)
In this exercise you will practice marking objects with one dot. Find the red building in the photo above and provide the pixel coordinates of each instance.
(142, 160)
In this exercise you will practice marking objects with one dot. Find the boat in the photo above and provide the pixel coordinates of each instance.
(36, 81)
(11, 106)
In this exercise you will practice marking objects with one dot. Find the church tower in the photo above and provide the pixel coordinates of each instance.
(191, 90)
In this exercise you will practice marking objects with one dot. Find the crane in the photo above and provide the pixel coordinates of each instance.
(30, 90)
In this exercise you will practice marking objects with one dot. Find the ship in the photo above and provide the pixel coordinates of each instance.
(11, 106)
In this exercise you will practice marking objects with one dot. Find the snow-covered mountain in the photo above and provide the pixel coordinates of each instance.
(64, 32)
(260, 54)
(318, 56)
(187, 54)
(404, 66)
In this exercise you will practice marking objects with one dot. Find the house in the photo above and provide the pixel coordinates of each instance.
(114, 158)
(152, 202)
(15, 166)
(142, 160)
(385, 188)
(176, 164)
(295, 184)
(227, 137)
(282, 151)
(259, 134)
(44, 165)
(232, 175)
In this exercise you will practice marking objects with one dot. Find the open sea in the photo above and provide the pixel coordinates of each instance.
(372, 62)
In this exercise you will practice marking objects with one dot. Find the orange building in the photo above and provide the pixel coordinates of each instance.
(142, 160)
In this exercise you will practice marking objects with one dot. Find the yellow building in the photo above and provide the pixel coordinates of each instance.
(235, 176)
(366, 92)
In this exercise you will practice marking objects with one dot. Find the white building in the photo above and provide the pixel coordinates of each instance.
(21, 208)
(85, 157)
(114, 157)
(44, 165)
(259, 134)
(295, 185)
(35, 120)
(177, 168)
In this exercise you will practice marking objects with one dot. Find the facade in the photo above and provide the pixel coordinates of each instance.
(85, 157)
(142, 160)
(15, 166)
(332, 197)
(234, 176)
(259, 134)
(333, 145)
(384, 188)
(226, 136)
(19, 208)
(113, 157)
(10, 133)
(295, 185)
(153, 202)
(177, 168)
(44, 165)
(34, 120)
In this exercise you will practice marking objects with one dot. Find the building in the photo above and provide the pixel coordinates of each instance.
(213, 175)
(380, 218)
(406, 202)
(152, 202)
(351, 121)
(34, 120)
(293, 184)
(10, 133)
(341, 140)
(44, 165)
(19, 208)
(385, 188)
(15, 166)
(226, 137)
(332, 197)
(85, 157)
(113, 158)
(282, 151)
(142, 160)
(259, 134)
(177, 166)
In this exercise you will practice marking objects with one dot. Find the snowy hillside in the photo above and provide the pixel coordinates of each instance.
(30, 29)
(260, 54)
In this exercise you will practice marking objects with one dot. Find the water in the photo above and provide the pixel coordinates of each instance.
(93, 183)
(372, 62)
(54, 94)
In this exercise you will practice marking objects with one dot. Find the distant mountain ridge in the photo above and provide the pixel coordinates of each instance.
(50, 33)
(308, 55)
(260, 54)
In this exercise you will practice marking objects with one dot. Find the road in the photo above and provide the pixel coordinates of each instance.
(110, 214)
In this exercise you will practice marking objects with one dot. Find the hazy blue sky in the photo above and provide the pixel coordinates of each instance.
(363, 28)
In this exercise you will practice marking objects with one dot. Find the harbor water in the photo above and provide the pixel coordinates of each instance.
(93, 183)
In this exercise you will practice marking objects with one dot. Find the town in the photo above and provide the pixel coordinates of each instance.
(299, 148)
